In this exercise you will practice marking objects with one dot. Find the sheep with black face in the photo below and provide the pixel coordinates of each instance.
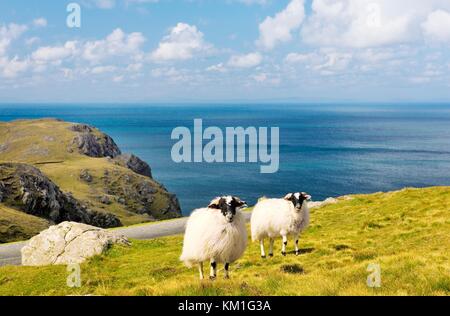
(216, 234)
(280, 217)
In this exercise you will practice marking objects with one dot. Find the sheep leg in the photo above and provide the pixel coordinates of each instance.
(200, 269)
(227, 268)
(285, 241)
(213, 273)
(263, 252)
(297, 250)
(271, 247)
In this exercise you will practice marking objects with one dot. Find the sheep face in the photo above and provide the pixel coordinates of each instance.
(228, 205)
(298, 199)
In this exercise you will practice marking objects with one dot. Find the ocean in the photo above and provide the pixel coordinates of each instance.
(325, 150)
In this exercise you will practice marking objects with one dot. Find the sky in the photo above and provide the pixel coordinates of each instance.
(129, 51)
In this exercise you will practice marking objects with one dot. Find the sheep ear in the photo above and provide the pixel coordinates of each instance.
(240, 202)
(215, 203)
(307, 196)
(289, 197)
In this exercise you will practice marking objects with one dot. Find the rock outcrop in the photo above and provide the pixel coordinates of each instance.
(141, 195)
(26, 188)
(68, 243)
(134, 163)
(91, 142)
(75, 172)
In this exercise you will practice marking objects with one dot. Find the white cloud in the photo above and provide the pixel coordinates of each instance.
(260, 77)
(40, 22)
(324, 61)
(366, 23)
(245, 61)
(117, 43)
(55, 53)
(334, 62)
(118, 79)
(172, 74)
(217, 68)
(9, 33)
(182, 43)
(10, 68)
(136, 67)
(437, 26)
(293, 58)
(278, 29)
(103, 69)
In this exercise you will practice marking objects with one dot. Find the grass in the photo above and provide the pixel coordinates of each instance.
(16, 225)
(406, 232)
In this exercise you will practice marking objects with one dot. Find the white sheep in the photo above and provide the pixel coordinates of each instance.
(217, 234)
(280, 217)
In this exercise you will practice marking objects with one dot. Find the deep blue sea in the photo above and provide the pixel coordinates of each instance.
(326, 150)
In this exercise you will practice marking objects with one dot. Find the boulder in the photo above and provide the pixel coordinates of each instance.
(68, 243)
(86, 176)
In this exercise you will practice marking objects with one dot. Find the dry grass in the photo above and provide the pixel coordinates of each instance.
(16, 225)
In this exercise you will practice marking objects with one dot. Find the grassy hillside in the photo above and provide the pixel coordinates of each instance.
(16, 225)
(48, 145)
(406, 232)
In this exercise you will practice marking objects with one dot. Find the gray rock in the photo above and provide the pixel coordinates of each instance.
(81, 128)
(68, 243)
(138, 194)
(86, 176)
(134, 163)
(2, 188)
(91, 142)
(3, 147)
(105, 200)
(27, 189)
(94, 146)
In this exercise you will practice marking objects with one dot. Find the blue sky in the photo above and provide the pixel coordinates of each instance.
(226, 50)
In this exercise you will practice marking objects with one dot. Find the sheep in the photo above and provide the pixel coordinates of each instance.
(217, 233)
(275, 217)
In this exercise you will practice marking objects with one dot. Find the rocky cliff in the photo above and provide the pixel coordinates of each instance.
(25, 188)
(60, 171)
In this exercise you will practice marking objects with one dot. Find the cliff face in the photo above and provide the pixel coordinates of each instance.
(92, 143)
(59, 171)
(25, 188)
